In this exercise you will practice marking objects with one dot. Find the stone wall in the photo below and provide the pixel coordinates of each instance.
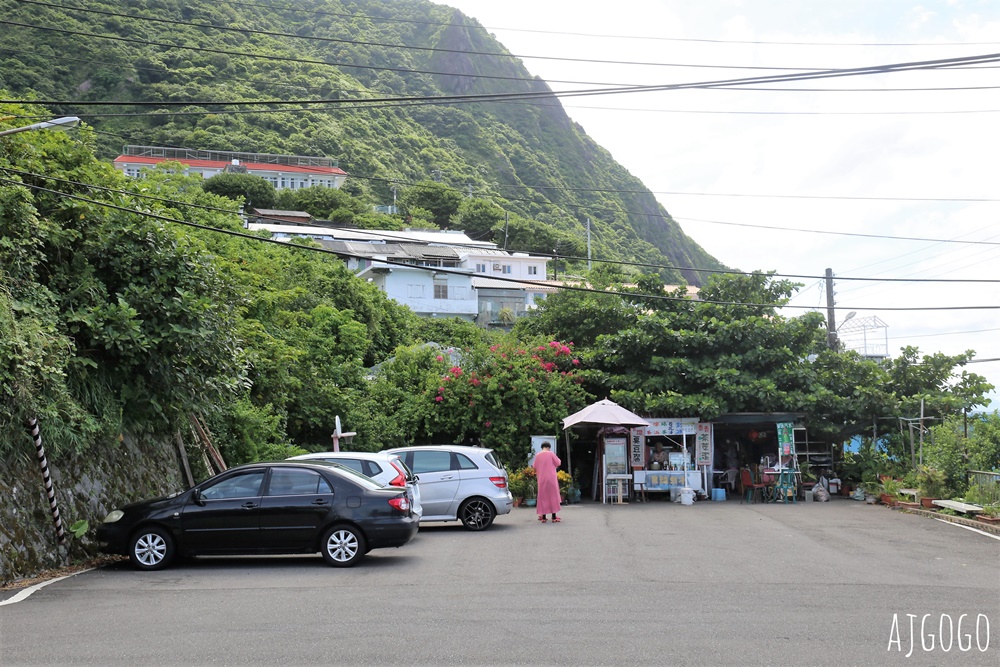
(87, 487)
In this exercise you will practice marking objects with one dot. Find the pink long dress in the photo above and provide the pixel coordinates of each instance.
(546, 463)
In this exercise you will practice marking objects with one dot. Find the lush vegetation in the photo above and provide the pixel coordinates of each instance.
(535, 177)
(116, 316)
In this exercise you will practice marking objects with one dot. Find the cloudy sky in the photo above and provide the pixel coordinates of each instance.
(902, 154)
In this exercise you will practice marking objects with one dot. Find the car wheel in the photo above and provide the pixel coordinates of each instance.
(476, 514)
(151, 549)
(343, 546)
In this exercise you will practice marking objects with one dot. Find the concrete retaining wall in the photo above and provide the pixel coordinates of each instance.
(87, 487)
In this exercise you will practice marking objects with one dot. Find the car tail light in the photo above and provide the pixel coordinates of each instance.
(400, 478)
(402, 503)
(501, 482)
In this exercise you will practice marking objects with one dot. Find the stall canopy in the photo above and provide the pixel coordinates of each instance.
(602, 413)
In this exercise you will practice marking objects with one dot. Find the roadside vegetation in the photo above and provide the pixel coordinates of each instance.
(116, 317)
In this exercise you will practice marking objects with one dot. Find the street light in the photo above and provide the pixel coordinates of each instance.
(847, 317)
(65, 123)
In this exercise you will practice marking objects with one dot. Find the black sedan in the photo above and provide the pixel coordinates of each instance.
(265, 508)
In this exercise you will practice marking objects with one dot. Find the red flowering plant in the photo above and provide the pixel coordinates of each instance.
(502, 394)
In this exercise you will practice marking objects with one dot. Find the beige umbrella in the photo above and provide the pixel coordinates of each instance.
(602, 413)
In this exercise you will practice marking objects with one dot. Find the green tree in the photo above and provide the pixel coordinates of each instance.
(480, 218)
(951, 452)
(254, 191)
(442, 201)
(144, 315)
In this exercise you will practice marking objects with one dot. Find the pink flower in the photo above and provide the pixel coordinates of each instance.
(475, 382)
(440, 390)
(439, 398)
(439, 358)
(576, 362)
(455, 370)
(493, 348)
(554, 344)
(488, 424)
(565, 350)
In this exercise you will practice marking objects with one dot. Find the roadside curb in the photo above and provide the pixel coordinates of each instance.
(979, 525)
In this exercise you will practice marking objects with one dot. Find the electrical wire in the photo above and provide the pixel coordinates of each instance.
(436, 269)
(723, 83)
(298, 86)
(334, 40)
(600, 35)
(376, 233)
(701, 220)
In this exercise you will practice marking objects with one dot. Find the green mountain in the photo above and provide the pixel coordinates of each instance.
(324, 77)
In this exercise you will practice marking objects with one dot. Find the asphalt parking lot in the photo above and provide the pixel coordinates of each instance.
(655, 583)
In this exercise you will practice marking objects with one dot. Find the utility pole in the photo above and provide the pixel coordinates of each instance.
(506, 226)
(921, 431)
(555, 263)
(831, 320)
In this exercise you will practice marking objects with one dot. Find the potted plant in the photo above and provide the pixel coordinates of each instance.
(517, 485)
(931, 485)
(531, 493)
(565, 483)
(890, 491)
(990, 514)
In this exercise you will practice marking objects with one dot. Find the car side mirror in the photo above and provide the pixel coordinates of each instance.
(196, 497)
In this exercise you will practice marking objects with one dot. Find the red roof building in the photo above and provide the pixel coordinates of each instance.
(282, 171)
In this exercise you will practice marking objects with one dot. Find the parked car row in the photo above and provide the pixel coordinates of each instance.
(340, 504)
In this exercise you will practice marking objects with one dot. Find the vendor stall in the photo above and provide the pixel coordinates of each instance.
(677, 455)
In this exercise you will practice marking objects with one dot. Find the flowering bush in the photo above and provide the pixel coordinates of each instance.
(502, 394)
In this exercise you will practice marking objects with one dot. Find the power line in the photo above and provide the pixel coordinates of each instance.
(437, 269)
(718, 222)
(833, 233)
(299, 86)
(176, 203)
(335, 40)
(600, 35)
(944, 333)
(723, 83)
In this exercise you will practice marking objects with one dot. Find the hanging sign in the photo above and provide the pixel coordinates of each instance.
(786, 438)
(672, 426)
(637, 447)
(703, 444)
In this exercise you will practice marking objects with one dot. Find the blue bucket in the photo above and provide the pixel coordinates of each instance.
(718, 494)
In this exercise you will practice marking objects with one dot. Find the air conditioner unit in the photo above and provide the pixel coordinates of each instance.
(496, 267)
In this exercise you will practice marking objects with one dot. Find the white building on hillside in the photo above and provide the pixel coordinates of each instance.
(479, 282)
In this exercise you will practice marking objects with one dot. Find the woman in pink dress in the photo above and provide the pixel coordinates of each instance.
(546, 463)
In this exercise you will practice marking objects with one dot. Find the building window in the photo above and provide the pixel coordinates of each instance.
(506, 268)
(440, 290)
(415, 291)
(532, 270)
(459, 293)
(480, 268)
